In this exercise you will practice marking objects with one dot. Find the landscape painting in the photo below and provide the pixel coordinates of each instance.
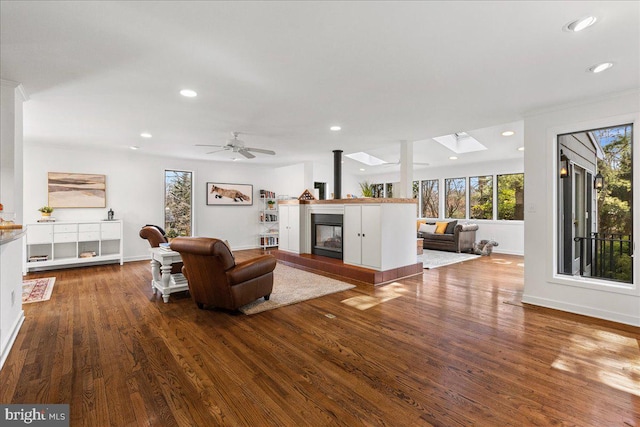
(76, 190)
(229, 194)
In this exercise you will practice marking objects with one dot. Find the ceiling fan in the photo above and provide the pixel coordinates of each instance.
(237, 146)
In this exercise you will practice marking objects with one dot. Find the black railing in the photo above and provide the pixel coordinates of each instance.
(608, 254)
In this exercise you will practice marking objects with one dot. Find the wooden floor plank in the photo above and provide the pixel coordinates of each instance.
(453, 347)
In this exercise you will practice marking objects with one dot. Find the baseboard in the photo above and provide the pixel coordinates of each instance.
(12, 338)
(582, 310)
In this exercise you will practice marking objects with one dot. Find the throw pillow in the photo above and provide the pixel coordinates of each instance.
(420, 222)
(450, 226)
(441, 227)
(427, 228)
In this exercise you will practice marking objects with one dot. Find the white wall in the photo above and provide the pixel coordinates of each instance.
(508, 234)
(135, 191)
(617, 302)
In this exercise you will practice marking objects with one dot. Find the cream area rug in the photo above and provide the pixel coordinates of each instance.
(36, 290)
(433, 259)
(291, 286)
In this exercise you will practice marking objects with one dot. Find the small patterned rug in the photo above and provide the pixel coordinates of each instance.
(291, 285)
(434, 259)
(36, 290)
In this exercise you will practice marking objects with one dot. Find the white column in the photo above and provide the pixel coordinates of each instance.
(406, 169)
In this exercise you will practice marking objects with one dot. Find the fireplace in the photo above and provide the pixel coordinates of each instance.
(326, 235)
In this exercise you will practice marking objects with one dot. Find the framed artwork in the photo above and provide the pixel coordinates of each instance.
(220, 194)
(76, 190)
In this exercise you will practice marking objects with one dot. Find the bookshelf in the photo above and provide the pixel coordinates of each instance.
(269, 235)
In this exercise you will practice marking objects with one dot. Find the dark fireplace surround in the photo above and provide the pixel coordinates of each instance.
(326, 235)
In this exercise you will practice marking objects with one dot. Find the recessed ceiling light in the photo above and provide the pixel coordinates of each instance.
(134, 147)
(335, 128)
(453, 158)
(508, 133)
(580, 24)
(520, 148)
(598, 68)
(145, 135)
(361, 169)
(188, 93)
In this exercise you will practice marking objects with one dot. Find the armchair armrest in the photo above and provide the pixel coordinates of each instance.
(251, 269)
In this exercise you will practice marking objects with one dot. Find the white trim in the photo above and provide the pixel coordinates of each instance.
(17, 86)
(583, 310)
(552, 188)
(12, 338)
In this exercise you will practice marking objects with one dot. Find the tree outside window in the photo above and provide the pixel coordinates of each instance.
(455, 198)
(389, 191)
(177, 203)
(511, 196)
(481, 197)
(430, 199)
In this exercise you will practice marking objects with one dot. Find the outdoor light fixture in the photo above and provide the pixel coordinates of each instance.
(564, 166)
(598, 182)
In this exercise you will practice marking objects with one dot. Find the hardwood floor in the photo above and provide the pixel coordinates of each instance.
(455, 348)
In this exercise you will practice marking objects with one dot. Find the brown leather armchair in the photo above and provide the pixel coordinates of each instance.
(214, 277)
(154, 236)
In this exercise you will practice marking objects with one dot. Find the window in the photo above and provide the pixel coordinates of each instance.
(430, 199)
(481, 197)
(511, 196)
(178, 203)
(389, 191)
(378, 190)
(595, 204)
(416, 195)
(455, 194)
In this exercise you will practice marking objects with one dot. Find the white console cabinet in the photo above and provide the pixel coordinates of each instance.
(68, 243)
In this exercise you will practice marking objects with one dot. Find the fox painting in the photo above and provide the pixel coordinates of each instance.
(235, 195)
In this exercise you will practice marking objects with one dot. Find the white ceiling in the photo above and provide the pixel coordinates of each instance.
(281, 73)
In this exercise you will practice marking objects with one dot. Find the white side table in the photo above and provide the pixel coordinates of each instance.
(162, 279)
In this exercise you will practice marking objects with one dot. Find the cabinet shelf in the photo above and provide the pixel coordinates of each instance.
(62, 243)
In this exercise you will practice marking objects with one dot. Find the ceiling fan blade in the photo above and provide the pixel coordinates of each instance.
(245, 153)
(208, 145)
(260, 150)
(216, 151)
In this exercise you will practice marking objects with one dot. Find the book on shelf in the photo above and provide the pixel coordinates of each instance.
(36, 258)
(49, 219)
(266, 194)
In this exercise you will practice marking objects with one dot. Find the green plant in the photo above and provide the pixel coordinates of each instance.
(46, 209)
(366, 188)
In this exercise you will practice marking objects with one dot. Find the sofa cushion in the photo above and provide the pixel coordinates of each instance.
(441, 227)
(438, 237)
(427, 228)
(451, 226)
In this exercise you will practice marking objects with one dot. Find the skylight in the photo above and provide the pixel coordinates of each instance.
(365, 158)
(460, 142)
